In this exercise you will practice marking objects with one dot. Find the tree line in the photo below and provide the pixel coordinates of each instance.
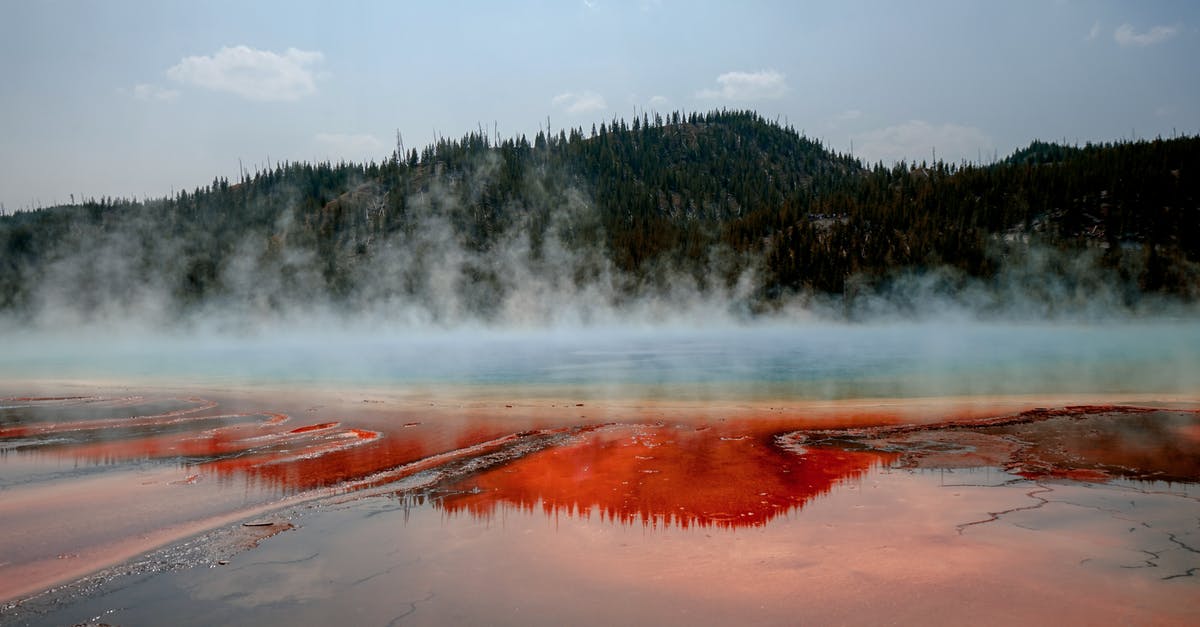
(707, 196)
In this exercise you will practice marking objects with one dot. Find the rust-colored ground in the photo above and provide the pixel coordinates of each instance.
(93, 479)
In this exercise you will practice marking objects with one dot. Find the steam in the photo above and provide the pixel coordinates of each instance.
(547, 268)
(1034, 284)
(424, 277)
(533, 303)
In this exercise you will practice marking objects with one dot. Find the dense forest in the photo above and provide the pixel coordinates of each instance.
(720, 202)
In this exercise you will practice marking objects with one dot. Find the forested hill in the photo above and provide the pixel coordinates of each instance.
(720, 202)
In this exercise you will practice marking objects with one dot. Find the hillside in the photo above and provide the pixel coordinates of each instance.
(723, 203)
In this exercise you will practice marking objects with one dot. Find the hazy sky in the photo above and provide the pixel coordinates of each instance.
(138, 98)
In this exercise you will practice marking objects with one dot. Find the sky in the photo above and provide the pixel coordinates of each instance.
(142, 99)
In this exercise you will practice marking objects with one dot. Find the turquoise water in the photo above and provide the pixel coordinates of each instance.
(803, 360)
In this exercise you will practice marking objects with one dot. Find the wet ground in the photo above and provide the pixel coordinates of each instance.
(468, 505)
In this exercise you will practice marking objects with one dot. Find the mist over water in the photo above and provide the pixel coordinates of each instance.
(1036, 329)
(428, 308)
(803, 360)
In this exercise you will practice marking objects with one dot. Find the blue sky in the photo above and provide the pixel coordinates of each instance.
(138, 99)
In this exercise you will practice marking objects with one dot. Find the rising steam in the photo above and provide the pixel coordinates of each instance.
(535, 304)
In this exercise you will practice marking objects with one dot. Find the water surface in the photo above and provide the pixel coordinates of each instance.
(842, 473)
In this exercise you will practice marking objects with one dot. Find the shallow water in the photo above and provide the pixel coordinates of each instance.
(879, 548)
(840, 474)
(814, 360)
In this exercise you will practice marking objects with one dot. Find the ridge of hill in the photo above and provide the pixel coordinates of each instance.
(721, 202)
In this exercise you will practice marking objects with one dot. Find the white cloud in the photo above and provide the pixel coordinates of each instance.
(585, 102)
(1095, 32)
(761, 85)
(916, 140)
(143, 91)
(1127, 36)
(252, 74)
(659, 101)
(352, 147)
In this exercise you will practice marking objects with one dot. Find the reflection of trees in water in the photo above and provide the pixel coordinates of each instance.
(720, 474)
(665, 475)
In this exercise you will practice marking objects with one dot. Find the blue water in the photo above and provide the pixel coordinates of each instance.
(802, 360)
